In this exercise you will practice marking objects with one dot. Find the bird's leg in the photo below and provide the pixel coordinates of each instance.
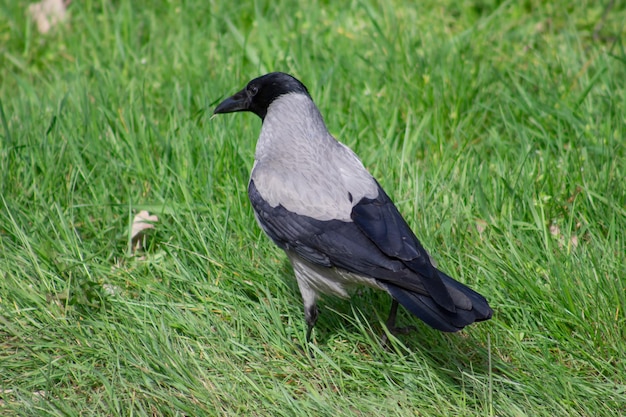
(309, 296)
(391, 324)
(391, 320)
(310, 315)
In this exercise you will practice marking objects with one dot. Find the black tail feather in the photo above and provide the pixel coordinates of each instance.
(479, 303)
(470, 305)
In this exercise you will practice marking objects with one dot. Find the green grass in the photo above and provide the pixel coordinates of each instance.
(498, 128)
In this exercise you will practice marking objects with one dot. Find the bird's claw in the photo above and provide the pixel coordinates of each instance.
(395, 331)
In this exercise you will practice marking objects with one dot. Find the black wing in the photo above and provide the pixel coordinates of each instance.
(327, 243)
(382, 223)
(378, 243)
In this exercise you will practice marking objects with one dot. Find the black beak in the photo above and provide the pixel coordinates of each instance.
(238, 102)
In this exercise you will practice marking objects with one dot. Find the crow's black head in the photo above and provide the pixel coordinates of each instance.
(260, 93)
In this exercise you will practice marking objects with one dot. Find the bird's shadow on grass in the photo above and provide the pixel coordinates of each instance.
(360, 320)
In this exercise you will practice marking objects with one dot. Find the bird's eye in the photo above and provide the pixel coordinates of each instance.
(253, 89)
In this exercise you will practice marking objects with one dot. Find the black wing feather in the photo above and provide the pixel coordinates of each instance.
(354, 246)
(327, 243)
(381, 221)
(377, 243)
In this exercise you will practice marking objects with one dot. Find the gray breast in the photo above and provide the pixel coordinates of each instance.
(300, 166)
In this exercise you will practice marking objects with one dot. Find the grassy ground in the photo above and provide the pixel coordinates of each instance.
(497, 127)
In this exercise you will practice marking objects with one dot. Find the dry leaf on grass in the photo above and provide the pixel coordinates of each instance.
(48, 13)
(142, 222)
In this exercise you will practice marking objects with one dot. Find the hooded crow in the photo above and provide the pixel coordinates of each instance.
(313, 197)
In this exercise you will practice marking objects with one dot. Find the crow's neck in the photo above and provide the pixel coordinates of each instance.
(293, 126)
